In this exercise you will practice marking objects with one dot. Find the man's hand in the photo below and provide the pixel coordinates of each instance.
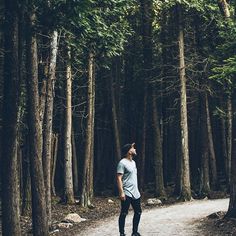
(120, 186)
(122, 196)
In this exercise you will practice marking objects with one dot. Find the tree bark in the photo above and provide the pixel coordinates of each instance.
(75, 165)
(205, 180)
(146, 8)
(55, 150)
(39, 215)
(214, 178)
(69, 191)
(224, 8)
(47, 132)
(232, 204)
(26, 195)
(44, 71)
(143, 144)
(179, 164)
(86, 197)
(185, 181)
(10, 175)
(158, 154)
(224, 143)
(91, 184)
(229, 137)
(115, 122)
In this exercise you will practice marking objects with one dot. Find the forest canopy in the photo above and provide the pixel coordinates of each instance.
(79, 79)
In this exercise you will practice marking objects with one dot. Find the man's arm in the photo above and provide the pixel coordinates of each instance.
(120, 187)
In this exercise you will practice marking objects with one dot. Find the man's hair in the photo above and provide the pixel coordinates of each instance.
(126, 148)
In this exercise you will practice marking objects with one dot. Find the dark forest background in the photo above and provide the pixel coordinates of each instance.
(79, 79)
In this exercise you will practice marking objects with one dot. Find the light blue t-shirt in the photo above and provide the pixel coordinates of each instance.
(129, 178)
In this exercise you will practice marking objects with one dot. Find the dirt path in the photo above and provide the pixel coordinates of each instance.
(181, 219)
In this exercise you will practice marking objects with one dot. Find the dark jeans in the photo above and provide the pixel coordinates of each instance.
(135, 203)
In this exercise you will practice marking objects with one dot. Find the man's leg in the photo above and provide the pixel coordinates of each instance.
(137, 213)
(123, 213)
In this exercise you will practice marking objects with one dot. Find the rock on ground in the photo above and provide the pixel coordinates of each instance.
(73, 218)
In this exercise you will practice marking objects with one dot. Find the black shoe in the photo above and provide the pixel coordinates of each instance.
(122, 234)
(136, 234)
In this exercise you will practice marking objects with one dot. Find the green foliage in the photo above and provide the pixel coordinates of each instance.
(224, 59)
(219, 112)
(224, 73)
(186, 4)
(98, 25)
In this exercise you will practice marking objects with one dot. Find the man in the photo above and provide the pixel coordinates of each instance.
(128, 188)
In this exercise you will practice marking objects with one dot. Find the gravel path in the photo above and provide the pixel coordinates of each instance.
(182, 219)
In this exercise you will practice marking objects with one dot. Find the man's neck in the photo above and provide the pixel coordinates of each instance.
(129, 157)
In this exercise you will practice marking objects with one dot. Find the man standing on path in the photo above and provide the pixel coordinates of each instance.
(128, 188)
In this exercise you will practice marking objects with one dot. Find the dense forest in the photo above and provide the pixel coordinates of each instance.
(79, 79)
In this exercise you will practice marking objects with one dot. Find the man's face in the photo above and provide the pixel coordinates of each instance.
(132, 151)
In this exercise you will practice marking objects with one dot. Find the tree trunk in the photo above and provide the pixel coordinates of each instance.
(164, 36)
(224, 144)
(44, 73)
(214, 178)
(224, 8)
(146, 8)
(39, 215)
(75, 165)
(47, 132)
(179, 164)
(114, 82)
(91, 184)
(158, 154)
(21, 42)
(69, 191)
(115, 123)
(185, 181)
(1, 89)
(204, 141)
(55, 149)
(229, 137)
(143, 144)
(232, 204)
(26, 195)
(86, 184)
(10, 175)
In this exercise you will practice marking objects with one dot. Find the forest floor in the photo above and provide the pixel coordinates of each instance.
(172, 218)
(182, 219)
